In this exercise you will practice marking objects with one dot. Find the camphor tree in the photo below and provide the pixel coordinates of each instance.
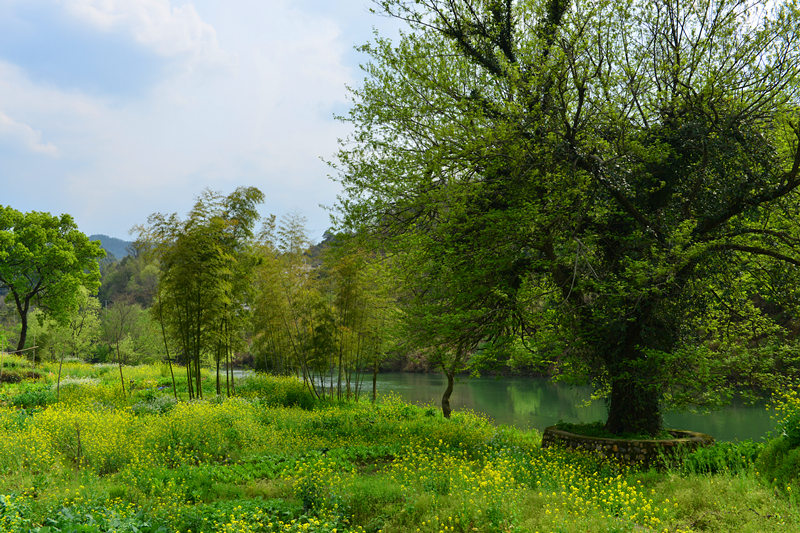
(610, 160)
(450, 306)
(44, 260)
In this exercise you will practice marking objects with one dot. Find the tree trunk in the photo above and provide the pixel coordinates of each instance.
(339, 379)
(634, 405)
(374, 380)
(447, 392)
(166, 345)
(119, 362)
(23, 332)
(58, 381)
(227, 359)
(219, 385)
(229, 365)
(198, 377)
(171, 373)
(189, 386)
(22, 309)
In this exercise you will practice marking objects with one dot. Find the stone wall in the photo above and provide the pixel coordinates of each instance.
(633, 451)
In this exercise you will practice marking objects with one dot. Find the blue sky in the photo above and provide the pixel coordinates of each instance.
(111, 110)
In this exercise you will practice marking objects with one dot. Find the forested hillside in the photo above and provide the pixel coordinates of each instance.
(115, 248)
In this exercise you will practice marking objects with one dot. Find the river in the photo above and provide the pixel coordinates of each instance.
(538, 403)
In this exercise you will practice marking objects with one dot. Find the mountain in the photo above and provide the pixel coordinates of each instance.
(113, 246)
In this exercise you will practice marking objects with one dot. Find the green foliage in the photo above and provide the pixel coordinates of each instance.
(205, 263)
(326, 316)
(14, 513)
(74, 338)
(131, 333)
(599, 178)
(134, 279)
(787, 408)
(371, 501)
(276, 391)
(44, 260)
(598, 429)
(242, 466)
(100, 517)
(779, 462)
(514, 355)
(723, 457)
(157, 404)
(30, 396)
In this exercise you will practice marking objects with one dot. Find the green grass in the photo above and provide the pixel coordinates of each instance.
(598, 429)
(276, 460)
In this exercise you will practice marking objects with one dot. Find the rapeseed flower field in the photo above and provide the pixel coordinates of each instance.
(273, 460)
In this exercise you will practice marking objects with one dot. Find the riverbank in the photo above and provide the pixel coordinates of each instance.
(537, 403)
(530, 402)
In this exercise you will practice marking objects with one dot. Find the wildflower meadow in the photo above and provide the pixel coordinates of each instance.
(274, 459)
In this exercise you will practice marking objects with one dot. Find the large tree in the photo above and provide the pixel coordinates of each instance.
(44, 261)
(611, 160)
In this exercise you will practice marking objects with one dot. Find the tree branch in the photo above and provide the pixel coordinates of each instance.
(790, 181)
(780, 235)
(756, 250)
(593, 165)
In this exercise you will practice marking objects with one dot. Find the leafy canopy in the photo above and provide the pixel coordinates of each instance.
(44, 261)
(609, 163)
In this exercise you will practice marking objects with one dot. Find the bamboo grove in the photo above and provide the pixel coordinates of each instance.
(231, 283)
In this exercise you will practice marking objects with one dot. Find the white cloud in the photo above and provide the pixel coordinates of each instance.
(21, 134)
(157, 24)
(263, 120)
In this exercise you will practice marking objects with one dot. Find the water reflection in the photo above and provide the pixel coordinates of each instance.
(538, 403)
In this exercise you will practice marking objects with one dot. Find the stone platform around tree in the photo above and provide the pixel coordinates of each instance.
(642, 452)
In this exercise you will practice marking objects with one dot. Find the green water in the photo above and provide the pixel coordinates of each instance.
(538, 403)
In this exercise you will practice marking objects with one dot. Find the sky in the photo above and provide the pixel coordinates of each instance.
(111, 110)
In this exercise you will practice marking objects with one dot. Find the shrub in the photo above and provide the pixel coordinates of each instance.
(779, 461)
(33, 395)
(276, 391)
(366, 498)
(91, 391)
(788, 409)
(731, 457)
(203, 431)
